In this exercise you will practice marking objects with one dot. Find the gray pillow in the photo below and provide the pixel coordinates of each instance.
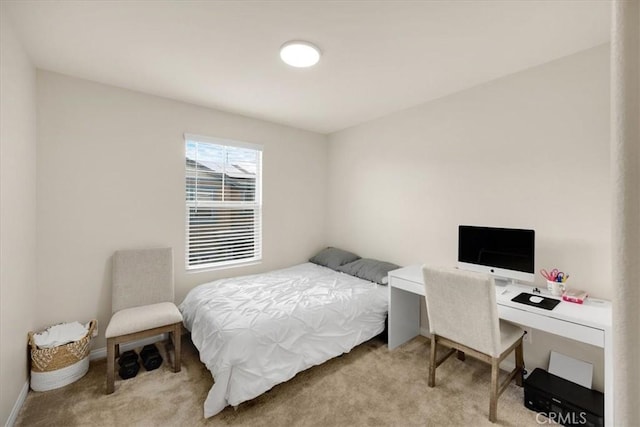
(333, 257)
(369, 269)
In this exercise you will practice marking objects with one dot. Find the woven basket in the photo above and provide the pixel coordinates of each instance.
(58, 366)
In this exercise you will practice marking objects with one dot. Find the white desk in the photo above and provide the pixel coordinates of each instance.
(589, 322)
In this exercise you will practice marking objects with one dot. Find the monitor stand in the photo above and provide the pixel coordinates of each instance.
(502, 282)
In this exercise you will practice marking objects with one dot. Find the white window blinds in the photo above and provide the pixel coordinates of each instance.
(223, 202)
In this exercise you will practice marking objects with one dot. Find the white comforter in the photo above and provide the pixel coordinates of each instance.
(254, 332)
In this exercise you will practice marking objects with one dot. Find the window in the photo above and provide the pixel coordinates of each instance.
(223, 182)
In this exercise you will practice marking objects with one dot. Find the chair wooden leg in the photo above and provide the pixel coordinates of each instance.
(111, 359)
(177, 336)
(493, 400)
(432, 362)
(519, 364)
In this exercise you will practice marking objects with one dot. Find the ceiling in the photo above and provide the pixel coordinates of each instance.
(378, 56)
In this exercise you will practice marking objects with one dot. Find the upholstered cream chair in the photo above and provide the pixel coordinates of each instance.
(142, 303)
(463, 315)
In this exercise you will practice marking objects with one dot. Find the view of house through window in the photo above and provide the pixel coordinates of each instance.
(223, 202)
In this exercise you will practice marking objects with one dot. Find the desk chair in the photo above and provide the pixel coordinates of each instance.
(463, 315)
(142, 303)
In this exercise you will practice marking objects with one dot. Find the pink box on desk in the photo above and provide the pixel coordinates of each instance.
(575, 295)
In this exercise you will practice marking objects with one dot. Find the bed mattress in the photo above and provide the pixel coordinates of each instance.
(254, 332)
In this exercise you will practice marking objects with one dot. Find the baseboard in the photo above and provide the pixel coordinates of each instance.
(508, 365)
(101, 353)
(425, 332)
(18, 405)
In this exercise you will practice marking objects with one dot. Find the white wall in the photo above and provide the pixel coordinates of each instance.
(17, 213)
(625, 172)
(111, 175)
(530, 150)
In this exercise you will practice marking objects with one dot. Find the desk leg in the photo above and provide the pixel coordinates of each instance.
(404, 316)
(608, 378)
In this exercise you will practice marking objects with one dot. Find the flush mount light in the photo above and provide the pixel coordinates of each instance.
(299, 54)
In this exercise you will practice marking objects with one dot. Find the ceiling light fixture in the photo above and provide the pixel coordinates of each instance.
(300, 54)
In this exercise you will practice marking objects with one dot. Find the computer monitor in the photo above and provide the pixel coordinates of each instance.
(506, 253)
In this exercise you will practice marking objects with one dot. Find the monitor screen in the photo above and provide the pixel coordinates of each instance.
(503, 252)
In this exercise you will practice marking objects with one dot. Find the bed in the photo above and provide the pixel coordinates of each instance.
(254, 332)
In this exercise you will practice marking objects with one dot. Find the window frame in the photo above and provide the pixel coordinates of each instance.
(256, 204)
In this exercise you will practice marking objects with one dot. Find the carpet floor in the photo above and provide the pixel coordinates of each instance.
(370, 386)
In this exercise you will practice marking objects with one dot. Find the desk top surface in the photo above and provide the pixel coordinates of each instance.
(593, 312)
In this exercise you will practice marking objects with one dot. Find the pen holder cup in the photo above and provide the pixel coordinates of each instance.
(556, 288)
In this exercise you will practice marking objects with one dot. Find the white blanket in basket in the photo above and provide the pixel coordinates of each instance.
(60, 334)
(254, 332)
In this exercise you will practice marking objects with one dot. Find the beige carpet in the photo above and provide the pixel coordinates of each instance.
(370, 386)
